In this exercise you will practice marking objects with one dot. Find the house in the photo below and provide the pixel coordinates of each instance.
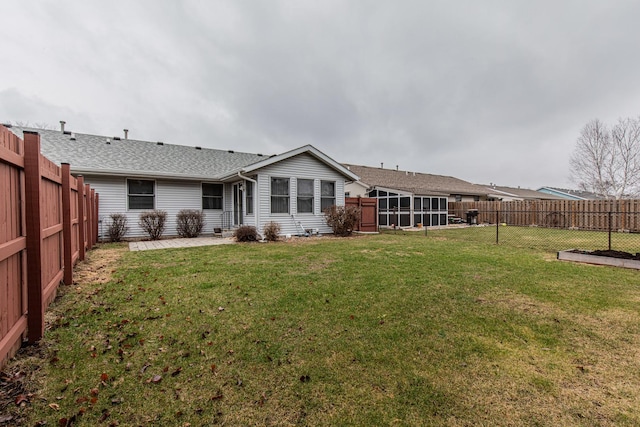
(231, 188)
(506, 194)
(408, 199)
(566, 194)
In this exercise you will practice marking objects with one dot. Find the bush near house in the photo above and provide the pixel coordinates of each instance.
(118, 227)
(342, 219)
(272, 231)
(246, 233)
(190, 223)
(153, 223)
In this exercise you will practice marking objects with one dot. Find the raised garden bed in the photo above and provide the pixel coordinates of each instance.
(611, 258)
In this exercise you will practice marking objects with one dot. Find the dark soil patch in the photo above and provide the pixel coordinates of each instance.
(610, 254)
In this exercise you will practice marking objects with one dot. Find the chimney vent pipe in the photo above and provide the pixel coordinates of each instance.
(126, 133)
(62, 123)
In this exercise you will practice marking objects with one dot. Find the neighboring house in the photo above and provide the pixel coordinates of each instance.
(570, 194)
(408, 199)
(507, 194)
(231, 188)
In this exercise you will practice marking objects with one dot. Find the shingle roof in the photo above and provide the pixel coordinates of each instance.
(522, 193)
(576, 194)
(415, 182)
(99, 154)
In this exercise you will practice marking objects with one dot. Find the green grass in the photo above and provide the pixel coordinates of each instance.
(394, 329)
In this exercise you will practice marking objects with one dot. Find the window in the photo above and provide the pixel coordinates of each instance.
(305, 196)
(249, 196)
(328, 194)
(212, 196)
(141, 194)
(458, 197)
(280, 195)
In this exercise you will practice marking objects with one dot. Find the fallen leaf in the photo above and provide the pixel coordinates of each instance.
(21, 399)
(305, 378)
(213, 368)
(155, 379)
(176, 372)
(54, 406)
(104, 377)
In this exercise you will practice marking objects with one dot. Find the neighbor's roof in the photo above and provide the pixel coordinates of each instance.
(565, 193)
(95, 154)
(520, 193)
(415, 182)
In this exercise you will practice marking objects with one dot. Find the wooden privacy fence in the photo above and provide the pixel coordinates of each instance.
(623, 215)
(48, 220)
(368, 212)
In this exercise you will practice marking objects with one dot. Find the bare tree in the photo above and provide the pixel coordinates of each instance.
(36, 125)
(606, 161)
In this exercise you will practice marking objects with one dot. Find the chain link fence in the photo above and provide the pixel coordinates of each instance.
(555, 230)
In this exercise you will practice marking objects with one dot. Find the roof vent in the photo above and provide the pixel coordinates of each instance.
(406, 173)
(231, 151)
(108, 140)
(381, 165)
(73, 136)
(414, 174)
(260, 154)
(396, 168)
(159, 143)
(116, 138)
(67, 132)
(62, 123)
(126, 133)
(7, 125)
(198, 148)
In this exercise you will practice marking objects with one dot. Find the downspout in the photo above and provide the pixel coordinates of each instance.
(255, 199)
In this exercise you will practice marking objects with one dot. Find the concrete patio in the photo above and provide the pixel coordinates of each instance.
(179, 243)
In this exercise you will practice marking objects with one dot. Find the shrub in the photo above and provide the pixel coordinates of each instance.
(118, 227)
(152, 222)
(190, 223)
(272, 231)
(342, 219)
(246, 233)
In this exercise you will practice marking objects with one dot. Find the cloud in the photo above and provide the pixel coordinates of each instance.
(488, 92)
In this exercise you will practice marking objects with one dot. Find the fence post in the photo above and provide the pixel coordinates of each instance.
(497, 227)
(81, 215)
(89, 212)
(35, 319)
(610, 216)
(66, 223)
(97, 215)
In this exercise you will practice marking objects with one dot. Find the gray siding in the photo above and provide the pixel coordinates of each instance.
(170, 196)
(304, 166)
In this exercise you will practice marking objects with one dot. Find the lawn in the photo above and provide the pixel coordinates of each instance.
(393, 329)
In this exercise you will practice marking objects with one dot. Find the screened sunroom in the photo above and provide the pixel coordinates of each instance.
(405, 209)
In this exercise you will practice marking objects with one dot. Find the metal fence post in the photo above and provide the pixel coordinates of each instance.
(497, 228)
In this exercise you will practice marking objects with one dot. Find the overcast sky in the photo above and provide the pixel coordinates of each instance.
(486, 91)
